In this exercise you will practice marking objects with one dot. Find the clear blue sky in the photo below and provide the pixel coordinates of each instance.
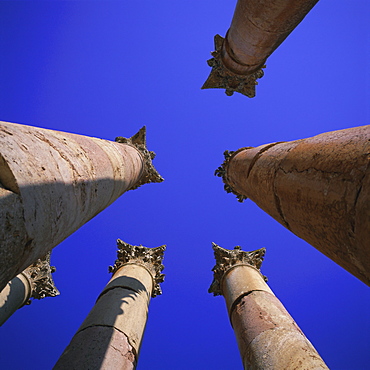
(106, 68)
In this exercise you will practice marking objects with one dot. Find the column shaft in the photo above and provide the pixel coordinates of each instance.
(34, 282)
(257, 29)
(51, 183)
(319, 188)
(111, 335)
(15, 294)
(267, 336)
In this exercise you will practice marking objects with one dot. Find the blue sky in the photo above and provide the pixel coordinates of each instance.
(105, 69)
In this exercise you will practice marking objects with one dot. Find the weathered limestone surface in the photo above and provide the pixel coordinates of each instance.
(267, 336)
(257, 29)
(123, 304)
(110, 349)
(319, 188)
(241, 280)
(51, 183)
(34, 282)
(111, 335)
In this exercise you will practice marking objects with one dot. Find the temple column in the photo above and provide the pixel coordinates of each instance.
(34, 282)
(111, 335)
(52, 183)
(257, 29)
(267, 336)
(318, 188)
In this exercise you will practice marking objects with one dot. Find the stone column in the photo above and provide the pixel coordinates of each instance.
(257, 29)
(318, 188)
(267, 336)
(52, 183)
(34, 282)
(111, 335)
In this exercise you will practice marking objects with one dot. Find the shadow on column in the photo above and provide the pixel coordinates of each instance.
(41, 216)
(106, 339)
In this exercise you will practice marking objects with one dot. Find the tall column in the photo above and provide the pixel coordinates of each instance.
(52, 183)
(257, 29)
(267, 336)
(34, 282)
(111, 335)
(318, 188)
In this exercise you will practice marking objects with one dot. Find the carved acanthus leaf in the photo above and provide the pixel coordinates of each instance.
(222, 172)
(42, 283)
(227, 259)
(222, 78)
(138, 141)
(150, 258)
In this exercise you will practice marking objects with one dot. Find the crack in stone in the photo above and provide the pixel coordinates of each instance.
(116, 287)
(353, 224)
(358, 194)
(133, 351)
(276, 197)
(279, 208)
(334, 173)
(309, 169)
(238, 301)
(360, 188)
(280, 32)
(259, 154)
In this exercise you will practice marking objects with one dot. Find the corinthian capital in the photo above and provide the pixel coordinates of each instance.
(227, 259)
(223, 78)
(138, 141)
(39, 275)
(150, 258)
